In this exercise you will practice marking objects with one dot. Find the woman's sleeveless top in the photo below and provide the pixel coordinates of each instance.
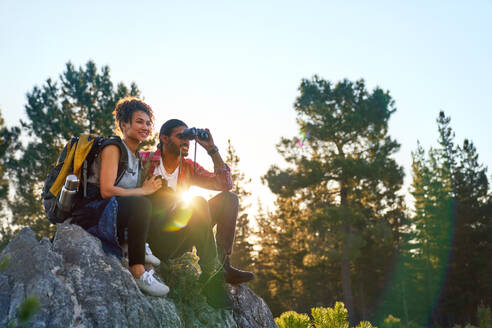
(130, 177)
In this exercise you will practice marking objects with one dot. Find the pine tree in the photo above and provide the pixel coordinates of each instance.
(7, 150)
(468, 263)
(283, 276)
(81, 101)
(343, 178)
(452, 224)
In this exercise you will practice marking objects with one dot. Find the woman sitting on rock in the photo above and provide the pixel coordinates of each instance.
(118, 210)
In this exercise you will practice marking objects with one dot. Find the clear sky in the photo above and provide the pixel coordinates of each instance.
(235, 66)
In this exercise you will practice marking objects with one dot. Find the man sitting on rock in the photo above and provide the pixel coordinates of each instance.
(176, 227)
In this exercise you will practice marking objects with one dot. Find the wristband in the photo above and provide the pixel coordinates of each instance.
(213, 151)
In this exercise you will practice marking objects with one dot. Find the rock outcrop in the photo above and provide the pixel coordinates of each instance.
(79, 285)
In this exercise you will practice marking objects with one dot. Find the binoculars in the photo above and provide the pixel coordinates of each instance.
(191, 133)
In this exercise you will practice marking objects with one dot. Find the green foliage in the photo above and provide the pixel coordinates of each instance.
(338, 209)
(484, 317)
(391, 322)
(292, 319)
(4, 263)
(7, 150)
(7, 143)
(452, 216)
(6, 234)
(335, 317)
(181, 275)
(394, 322)
(28, 307)
(81, 101)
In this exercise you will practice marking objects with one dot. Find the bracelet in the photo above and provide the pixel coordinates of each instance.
(213, 151)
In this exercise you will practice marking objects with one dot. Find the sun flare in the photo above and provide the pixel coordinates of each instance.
(186, 197)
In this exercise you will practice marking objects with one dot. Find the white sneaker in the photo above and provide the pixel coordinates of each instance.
(149, 285)
(151, 258)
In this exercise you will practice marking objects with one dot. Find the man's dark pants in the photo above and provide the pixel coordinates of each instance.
(203, 215)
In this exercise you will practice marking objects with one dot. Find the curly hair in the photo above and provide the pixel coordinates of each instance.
(125, 107)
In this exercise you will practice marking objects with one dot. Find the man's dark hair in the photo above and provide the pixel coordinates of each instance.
(167, 128)
(125, 108)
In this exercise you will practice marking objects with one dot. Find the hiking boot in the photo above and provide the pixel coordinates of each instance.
(235, 276)
(215, 292)
(151, 258)
(149, 285)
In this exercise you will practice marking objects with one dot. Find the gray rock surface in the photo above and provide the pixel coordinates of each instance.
(249, 309)
(79, 285)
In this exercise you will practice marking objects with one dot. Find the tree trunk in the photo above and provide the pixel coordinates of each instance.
(363, 309)
(345, 263)
(347, 289)
(404, 300)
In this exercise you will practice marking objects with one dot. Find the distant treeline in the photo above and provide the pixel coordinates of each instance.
(341, 229)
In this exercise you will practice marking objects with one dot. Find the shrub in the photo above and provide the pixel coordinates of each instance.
(28, 307)
(292, 319)
(364, 324)
(484, 317)
(181, 275)
(391, 322)
(335, 317)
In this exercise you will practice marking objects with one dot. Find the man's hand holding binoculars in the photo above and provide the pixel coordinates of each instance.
(208, 144)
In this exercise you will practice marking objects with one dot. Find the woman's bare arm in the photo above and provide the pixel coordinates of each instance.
(110, 157)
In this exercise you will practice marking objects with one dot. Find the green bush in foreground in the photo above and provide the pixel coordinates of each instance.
(26, 312)
(336, 317)
(292, 319)
(394, 322)
(484, 317)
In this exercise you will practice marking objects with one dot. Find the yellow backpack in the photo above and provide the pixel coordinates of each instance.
(76, 158)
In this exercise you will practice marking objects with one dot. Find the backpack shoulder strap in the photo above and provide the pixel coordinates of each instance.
(66, 167)
(84, 146)
(123, 163)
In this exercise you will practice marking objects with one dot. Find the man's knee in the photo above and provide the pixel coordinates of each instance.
(231, 197)
(200, 205)
(200, 211)
(229, 200)
(226, 197)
